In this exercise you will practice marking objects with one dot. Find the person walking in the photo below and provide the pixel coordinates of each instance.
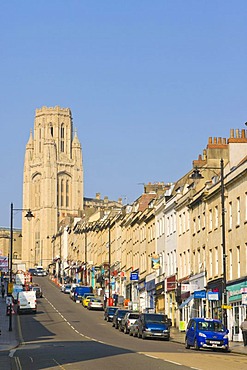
(243, 327)
(105, 300)
(3, 290)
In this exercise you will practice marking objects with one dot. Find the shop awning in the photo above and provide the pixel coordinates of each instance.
(187, 301)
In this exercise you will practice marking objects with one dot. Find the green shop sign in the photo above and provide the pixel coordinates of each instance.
(235, 291)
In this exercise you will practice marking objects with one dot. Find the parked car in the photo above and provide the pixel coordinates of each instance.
(37, 289)
(67, 288)
(133, 329)
(109, 312)
(95, 304)
(72, 290)
(153, 325)
(206, 333)
(32, 271)
(117, 317)
(128, 319)
(86, 298)
(80, 291)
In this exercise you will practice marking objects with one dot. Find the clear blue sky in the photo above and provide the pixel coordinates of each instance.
(148, 81)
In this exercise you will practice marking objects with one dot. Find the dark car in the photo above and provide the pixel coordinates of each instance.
(32, 271)
(38, 291)
(128, 319)
(109, 312)
(206, 333)
(153, 325)
(117, 317)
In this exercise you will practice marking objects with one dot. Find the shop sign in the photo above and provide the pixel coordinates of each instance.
(171, 283)
(199, 294)
(244, 298)
(155, 262)
(226, 307)
(235, 291)
(213, 296)
(4, 263)
(134, 276)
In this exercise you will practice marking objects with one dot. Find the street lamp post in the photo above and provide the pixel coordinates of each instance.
(197, 175)
(223, 235)
(29, 216)
(109, 257)
(85, 276)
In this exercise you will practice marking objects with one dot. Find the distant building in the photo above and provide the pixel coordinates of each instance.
(52, 182)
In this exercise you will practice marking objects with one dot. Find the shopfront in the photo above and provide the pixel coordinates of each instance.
(142, 294)
(160, 297)
(171, 287)
(237, 299)
(150, 288)
(214, 295)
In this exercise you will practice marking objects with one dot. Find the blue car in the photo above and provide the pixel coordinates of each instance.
(153, 325)
(206, 333)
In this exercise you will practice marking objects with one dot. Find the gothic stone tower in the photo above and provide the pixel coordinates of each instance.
(52, 182)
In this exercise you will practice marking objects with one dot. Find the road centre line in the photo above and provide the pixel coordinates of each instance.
(102, 342)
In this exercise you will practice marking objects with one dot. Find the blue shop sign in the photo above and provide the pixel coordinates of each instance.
(200, 294)
(134, 276)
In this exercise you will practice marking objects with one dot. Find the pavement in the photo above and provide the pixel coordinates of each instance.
(9, 339)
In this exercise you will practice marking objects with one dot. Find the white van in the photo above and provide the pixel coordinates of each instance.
(26, 302)
(40, 271)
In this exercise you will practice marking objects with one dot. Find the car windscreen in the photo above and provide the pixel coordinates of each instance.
(155, 318)
(211, 326)
(112, 310)
(134, 316)
(121, 313)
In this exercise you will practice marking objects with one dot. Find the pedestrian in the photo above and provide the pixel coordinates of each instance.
(105, 300)
(243, 327)
(3, 291)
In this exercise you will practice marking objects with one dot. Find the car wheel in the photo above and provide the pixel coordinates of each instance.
(196, 345)
(187, 346)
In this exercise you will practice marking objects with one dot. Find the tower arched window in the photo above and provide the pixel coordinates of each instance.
(51, 129)
(62, 138)
(62, 192)
(40, 136)
(67, 193)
